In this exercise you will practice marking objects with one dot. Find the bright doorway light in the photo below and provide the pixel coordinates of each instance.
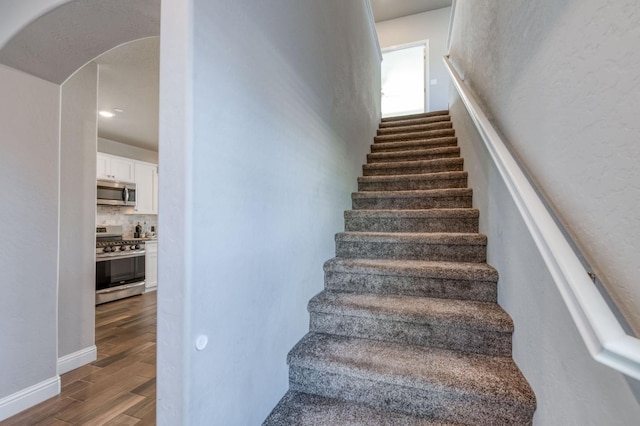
(403, 81)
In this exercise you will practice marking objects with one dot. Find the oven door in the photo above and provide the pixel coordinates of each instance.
(119, 270)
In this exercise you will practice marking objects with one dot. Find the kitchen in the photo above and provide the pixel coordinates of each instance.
(127, 171)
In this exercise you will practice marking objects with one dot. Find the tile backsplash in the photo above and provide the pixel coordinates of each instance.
(108, 215)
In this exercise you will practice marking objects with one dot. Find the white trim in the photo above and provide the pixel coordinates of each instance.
(372, 27)
(601, 332)
(29, 397)
(77, 359)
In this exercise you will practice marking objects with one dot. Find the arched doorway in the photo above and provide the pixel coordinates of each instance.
(47, 318)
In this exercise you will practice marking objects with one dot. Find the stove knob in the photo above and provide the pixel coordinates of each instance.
(107, 250)
(123, 248)
(137, 247)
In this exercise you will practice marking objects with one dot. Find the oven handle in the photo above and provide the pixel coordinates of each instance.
(124, 256)
(120, 287)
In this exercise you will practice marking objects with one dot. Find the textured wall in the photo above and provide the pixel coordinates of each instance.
(77, 270)
(286, 101)
(29, 116)
(561, 80)
(432, 26)
(571, 388)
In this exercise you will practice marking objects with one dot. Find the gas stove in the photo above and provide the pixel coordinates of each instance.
(110, 243)
(120, 265)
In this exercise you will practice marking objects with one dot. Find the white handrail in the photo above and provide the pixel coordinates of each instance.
(603, 335)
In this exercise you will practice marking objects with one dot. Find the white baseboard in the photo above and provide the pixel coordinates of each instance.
(77, 359)
(29, 397)
(149, 289)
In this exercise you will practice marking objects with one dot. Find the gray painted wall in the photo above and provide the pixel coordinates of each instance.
(432, 26)
(29, 117)
(560, 80)
(78, 134)
(571, 388)
(285, 103)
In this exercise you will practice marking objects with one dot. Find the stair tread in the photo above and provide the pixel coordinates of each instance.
(426, 134)
(494, 378)
(425, 141)
(414, 152)
(303, 409)
(418, 127)
(425, 213)
(421, 176)
(413, 163)
(420, 268)
(481, 316)
(449, 238)
(446, 192)
(419, 115)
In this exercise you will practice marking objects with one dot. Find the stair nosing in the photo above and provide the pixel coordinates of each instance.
(414, 268)
(322, 303)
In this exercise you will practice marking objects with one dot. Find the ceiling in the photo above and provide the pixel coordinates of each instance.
(129, 80)
(391, 9)
(63, 40)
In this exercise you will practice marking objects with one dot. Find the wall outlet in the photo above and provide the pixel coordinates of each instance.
(434, 82)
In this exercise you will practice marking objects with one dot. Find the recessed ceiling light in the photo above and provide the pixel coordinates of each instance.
(118, 110)
(106, 114)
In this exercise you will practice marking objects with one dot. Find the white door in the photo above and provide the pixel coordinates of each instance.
(403, 81)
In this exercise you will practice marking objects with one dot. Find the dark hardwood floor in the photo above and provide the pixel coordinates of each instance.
(119, 388)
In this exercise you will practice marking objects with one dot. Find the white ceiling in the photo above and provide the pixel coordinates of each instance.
(129, 80)
(391, 9)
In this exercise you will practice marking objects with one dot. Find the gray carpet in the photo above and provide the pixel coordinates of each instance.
(407, 330)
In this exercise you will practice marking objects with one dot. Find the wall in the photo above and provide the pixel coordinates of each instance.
(285, 101)
(432, 26)
(109, 215)
(112, 147)
(560, 80)
(29, 165)
(78, 134)
(571, 388)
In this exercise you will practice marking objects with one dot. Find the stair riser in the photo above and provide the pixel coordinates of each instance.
(415, 121)
(410, 224)
(455, 153)
(414, 135)
(411, 251)
(408, 169)
(415, 128)
(453, 336)
(483, 291)
(413, 203)
(412, 184)
(413, 145)
(435, 402)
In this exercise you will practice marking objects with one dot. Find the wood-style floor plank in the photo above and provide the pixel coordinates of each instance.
(119, 388)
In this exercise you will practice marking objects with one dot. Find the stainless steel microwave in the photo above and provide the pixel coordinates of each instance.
(115, 193)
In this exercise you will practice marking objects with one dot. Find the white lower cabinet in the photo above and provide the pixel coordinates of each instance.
(151, 265)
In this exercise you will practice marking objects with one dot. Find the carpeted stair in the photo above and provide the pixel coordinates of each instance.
(407, 330)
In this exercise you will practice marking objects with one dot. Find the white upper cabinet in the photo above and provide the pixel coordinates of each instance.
(146, 179)
(115, 168)
(145, 176)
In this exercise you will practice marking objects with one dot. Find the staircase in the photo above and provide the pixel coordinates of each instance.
(407, 330)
